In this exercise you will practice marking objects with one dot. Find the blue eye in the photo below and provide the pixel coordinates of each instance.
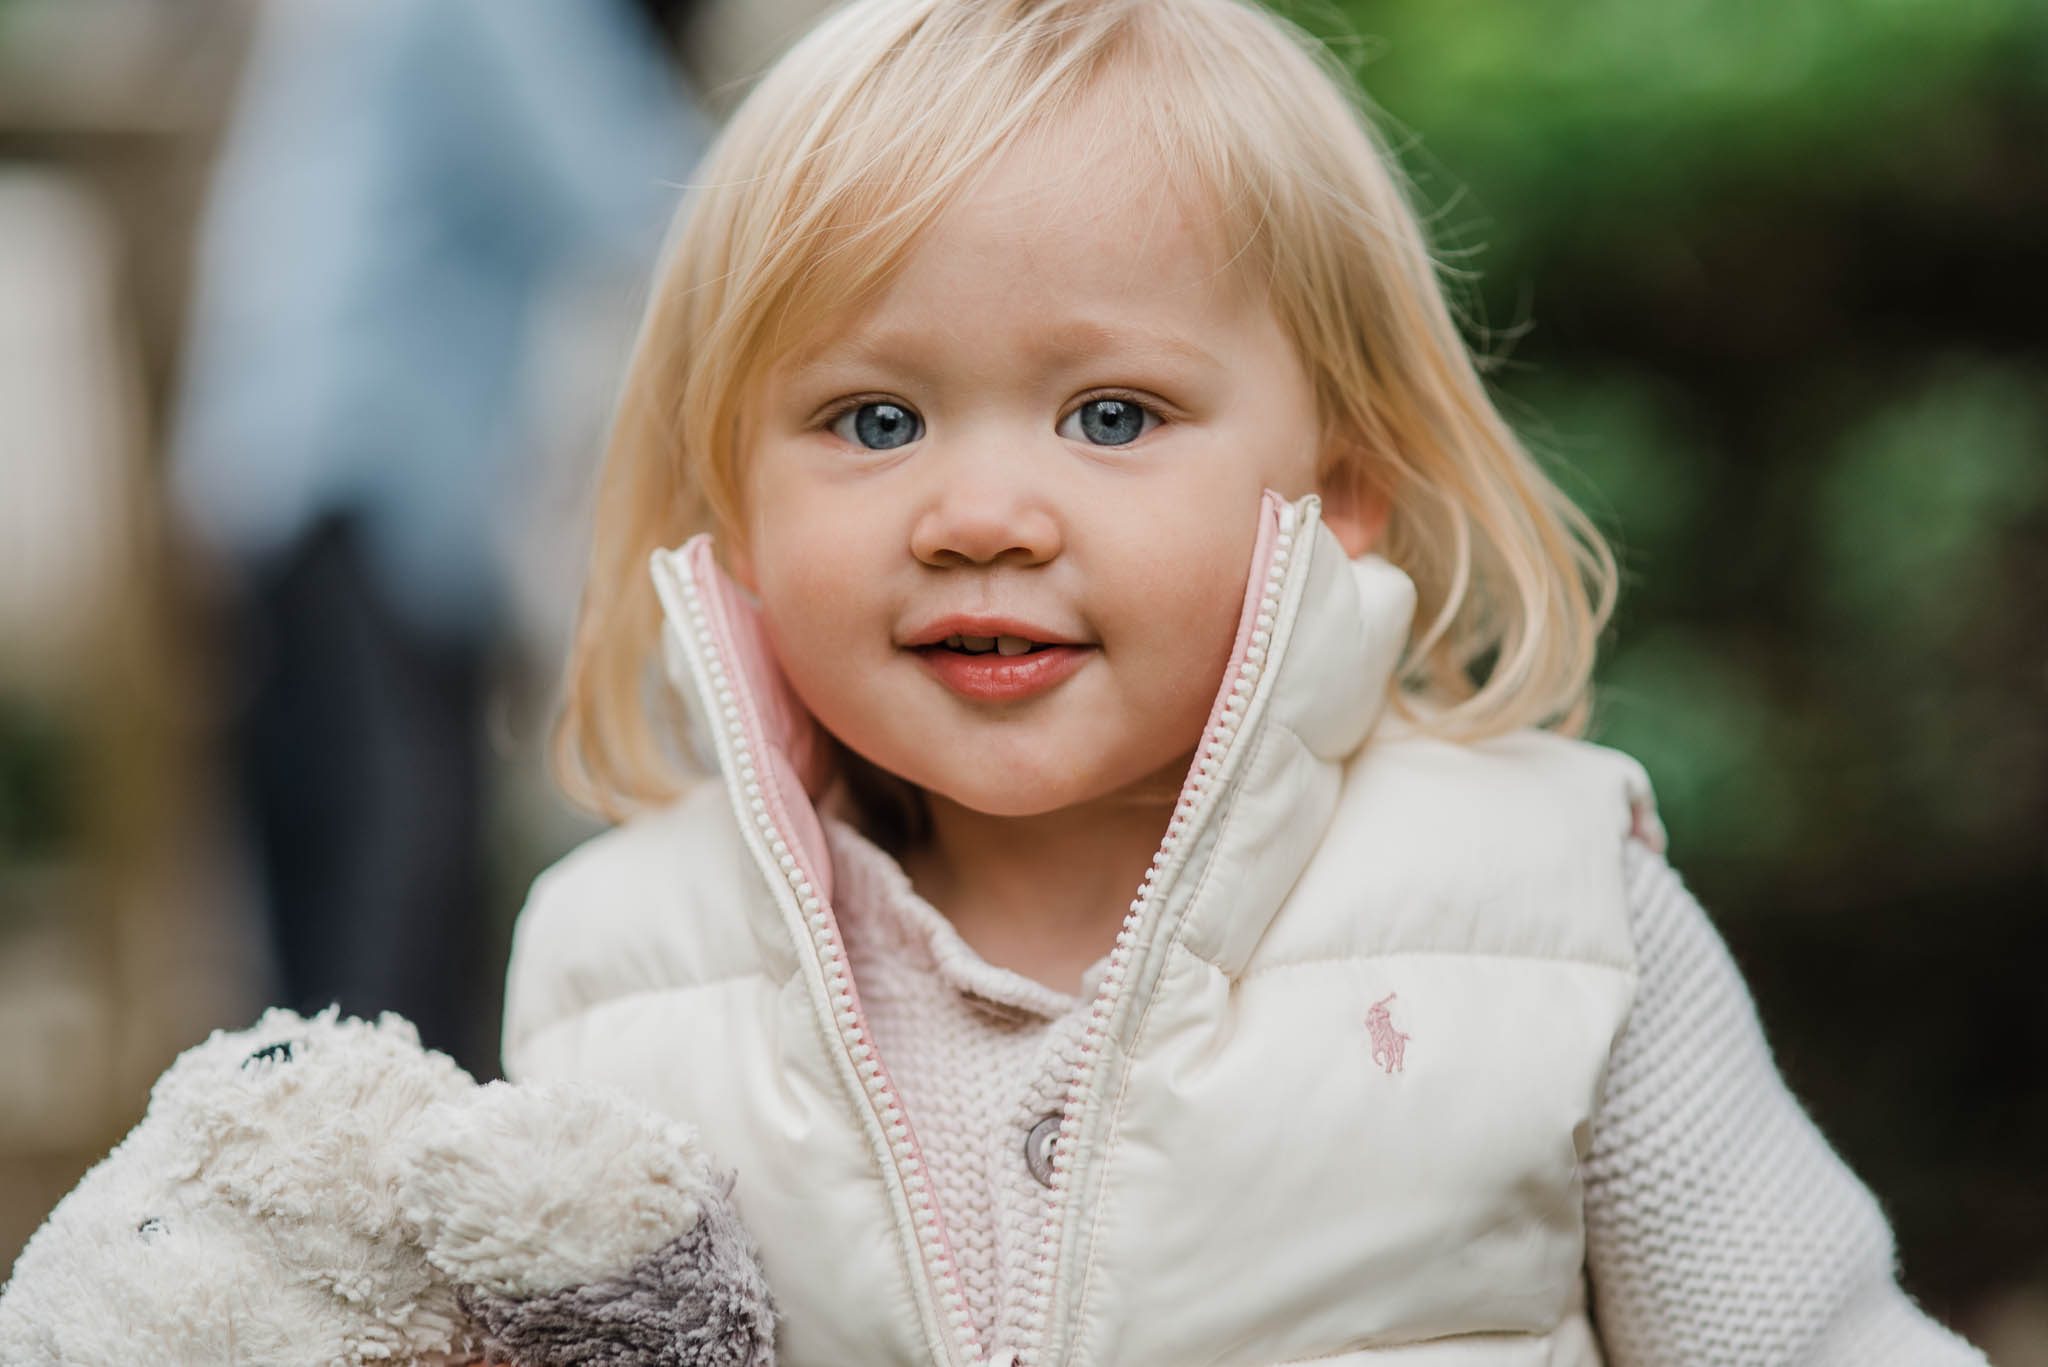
(879, 426)
(1108, 422)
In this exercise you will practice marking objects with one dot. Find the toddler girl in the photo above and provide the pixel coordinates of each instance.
(1123, 931)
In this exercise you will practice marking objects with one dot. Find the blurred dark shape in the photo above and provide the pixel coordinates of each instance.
(361, 762)
(403, 184)
(670, 18)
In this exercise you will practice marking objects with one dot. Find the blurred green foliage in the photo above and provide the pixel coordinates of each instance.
(1918, 498)
(1761, 284)
(40, 764)
(1553, 109)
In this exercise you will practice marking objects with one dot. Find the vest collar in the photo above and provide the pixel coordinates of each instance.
(1319, 639)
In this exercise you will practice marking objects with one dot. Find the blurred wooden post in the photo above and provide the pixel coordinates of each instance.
(117, 946)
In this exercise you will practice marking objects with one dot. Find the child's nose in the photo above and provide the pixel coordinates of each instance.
(985, 514)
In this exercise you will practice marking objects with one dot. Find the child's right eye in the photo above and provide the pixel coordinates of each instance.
(879, 426)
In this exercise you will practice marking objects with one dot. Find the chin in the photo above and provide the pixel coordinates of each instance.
(1042, 794)
(1014, 795)
(1014, 800)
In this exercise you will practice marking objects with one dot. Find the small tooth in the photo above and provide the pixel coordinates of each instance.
(1012, 645)
(953, 641)
(978, 642)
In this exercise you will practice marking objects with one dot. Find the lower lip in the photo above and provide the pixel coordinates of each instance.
(995, 677)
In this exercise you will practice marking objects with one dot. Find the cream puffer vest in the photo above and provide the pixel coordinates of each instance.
(1340, 1074)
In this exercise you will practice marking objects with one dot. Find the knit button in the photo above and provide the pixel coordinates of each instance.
(1038, 1147)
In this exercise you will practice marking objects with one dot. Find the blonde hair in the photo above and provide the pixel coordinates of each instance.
(870, 127)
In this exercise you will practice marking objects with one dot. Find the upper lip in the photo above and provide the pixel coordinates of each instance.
(967, 624)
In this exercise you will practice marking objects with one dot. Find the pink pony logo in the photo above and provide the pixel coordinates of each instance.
(1388, 1044)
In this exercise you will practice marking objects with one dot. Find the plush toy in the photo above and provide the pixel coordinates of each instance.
(325, 1191)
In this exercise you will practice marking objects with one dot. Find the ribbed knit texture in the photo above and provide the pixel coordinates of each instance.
(978, 1055)
(1720, 1227)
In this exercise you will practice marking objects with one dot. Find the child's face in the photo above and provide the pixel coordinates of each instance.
(1059, 419)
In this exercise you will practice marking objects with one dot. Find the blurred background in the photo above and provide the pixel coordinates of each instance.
(310, 314)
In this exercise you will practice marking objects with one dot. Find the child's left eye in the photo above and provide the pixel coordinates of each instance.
(1108, 422)
(879, 426)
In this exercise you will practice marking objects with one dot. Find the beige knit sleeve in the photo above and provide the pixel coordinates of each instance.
(1720, 1227)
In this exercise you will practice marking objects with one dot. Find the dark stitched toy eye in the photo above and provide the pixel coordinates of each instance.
(280, 1052)
(152, 1229)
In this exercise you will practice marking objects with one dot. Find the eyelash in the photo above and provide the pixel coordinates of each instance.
(831, 416)
(1138, 401)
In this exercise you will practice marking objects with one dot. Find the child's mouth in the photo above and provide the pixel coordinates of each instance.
(1007, 646)
(1001, 669)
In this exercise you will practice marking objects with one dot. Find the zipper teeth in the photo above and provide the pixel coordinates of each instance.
(853, 1032)
(1199, 786)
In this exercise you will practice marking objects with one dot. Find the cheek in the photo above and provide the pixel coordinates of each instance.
(1187, 603)
(1214, 603)
(815, 664)
(806, 562)
(802, 587)
(795, 591)
(814, 629)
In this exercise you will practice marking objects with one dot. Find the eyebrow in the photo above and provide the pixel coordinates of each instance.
(1084, 339)
(1076, 340)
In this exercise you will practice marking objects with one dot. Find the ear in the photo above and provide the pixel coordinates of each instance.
(1354, 506)
(522, 1191)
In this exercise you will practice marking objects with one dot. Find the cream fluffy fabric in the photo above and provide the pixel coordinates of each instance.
(326, 1192)
(252, 1217)
(512, 1201)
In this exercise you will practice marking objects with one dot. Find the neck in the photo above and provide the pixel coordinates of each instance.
(1042, 895)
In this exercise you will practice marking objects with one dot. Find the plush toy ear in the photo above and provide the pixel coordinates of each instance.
(582, 1228)
(698, 1301)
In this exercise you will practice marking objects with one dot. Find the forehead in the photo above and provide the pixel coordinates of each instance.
(1074, 231)
(1088, 189)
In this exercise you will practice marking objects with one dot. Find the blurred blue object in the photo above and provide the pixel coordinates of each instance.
(403, 185)
(402, 180)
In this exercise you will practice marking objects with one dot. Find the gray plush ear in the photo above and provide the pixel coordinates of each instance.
(584, 1230)
(699, 1301)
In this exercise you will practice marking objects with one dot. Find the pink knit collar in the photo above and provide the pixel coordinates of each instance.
(878, 907)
